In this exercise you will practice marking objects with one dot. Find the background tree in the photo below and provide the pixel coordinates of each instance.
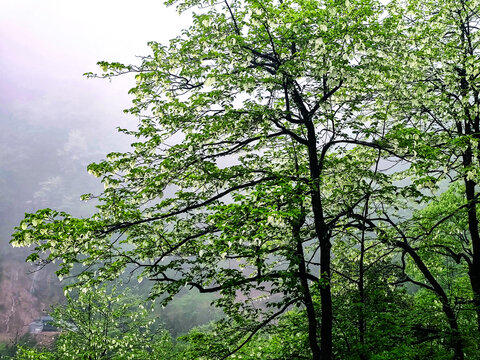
(439, 98)
(105, 324)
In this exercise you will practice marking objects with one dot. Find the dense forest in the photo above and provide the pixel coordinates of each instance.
(308, 166)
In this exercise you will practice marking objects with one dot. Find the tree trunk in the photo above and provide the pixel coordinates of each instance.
(307, 297)
(474, 268)
(361, 292)
(471, 126)
(326, 300)
(323, 235)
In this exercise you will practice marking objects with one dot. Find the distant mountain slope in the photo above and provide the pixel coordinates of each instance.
(24, 296)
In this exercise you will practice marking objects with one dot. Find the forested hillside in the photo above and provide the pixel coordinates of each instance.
(309, 165)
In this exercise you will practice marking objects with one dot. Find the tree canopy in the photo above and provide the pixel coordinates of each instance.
(289, 155)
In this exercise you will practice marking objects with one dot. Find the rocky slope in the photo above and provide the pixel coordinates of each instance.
(25, 295)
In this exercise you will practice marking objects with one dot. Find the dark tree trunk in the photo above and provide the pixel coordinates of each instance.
(326, 300)
(362, 326)
(323, 235)
(474, 267)
(471, 126)
(474, 274)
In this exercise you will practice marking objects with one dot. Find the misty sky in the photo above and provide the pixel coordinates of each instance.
(50, 113)
(46, 46)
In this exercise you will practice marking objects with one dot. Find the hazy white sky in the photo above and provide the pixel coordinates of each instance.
(53, 120)
(46, 46)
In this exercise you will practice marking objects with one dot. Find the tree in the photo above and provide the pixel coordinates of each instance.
(258, 130)
(440, 98)
(105, 324)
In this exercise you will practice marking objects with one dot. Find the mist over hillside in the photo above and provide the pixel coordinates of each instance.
(54, 122)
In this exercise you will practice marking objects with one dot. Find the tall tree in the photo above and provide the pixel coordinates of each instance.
(439, 98)
(253, 138)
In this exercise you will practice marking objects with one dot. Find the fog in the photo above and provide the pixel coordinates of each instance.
(53, 120)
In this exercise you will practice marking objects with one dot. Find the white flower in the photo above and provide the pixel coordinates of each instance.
(471, 174)
(209, 81)
(319, 44)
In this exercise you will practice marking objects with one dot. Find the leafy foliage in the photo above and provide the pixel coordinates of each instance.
(291, 157)
(102, 324)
